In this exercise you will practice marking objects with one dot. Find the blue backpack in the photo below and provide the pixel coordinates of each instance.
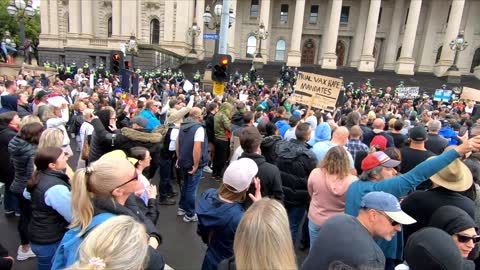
(67, 251)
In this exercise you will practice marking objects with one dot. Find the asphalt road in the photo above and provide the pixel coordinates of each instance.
(182, 247)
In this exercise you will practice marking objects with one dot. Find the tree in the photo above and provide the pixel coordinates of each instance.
(10, 23)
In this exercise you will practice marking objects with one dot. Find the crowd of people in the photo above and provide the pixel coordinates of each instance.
(382, 182)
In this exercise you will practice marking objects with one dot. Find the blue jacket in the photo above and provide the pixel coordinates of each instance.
(282, 126)
(398, 186)
(153, 121)
(323, 132)
(449, 134)
(217, 224)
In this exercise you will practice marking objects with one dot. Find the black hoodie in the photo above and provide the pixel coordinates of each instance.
(451, 219)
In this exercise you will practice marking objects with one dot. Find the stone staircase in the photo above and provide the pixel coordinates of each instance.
(428, 82)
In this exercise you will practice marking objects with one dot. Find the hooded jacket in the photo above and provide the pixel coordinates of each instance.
(222, 121)
(451, 219)
(322, 133)
(7, 171)
(268, 147)
(21, 155)
(295, 161)
(217, 224)
(9, 103)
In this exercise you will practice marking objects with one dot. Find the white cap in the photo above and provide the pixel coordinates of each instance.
(239, 174)
(83, 95)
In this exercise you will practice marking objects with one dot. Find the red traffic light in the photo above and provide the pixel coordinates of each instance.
(116, 56)
(224, 61)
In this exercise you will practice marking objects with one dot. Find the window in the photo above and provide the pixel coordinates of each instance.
(284, 14)
(109, 27)
(254, 9)
(344, 15)
(280, 50)
(439, 54)
(449, 10)
(93, 60)
(380, 16)
(313, 14)
(251, 46)
(154, 31)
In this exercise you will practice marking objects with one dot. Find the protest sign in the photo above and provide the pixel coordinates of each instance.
(442, 95)
(470, 94)
(317, 91)
(408, 92)
(243, 97)
(187, 85)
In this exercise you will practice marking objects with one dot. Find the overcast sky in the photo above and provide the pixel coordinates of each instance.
(36, 4)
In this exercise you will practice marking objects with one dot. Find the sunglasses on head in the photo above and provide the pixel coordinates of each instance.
(466, 238)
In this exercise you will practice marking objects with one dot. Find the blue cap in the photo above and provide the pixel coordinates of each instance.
(118, 90)
(387, 203)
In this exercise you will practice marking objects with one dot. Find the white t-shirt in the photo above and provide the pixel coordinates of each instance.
(85, 129)
(199, 135)
(21, 82)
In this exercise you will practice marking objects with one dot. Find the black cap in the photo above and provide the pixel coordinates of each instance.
(418, 133)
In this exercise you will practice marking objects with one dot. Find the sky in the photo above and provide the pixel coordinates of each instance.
(36, 4)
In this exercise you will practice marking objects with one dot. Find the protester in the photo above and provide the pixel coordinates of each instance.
(327, 186)
(262, 239)
(9, 126)
(435, 143)
(222, 138)
(49, 192)
(219, 211)
(347, 242)
(119, 243)
(354, 144)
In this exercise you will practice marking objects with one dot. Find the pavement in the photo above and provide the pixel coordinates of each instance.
(182, 247)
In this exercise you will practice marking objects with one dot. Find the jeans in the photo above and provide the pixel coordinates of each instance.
(165, 185)
(44, 254)
(10, 201)
(189, 191)
(313, 231)
(26, 212)
(295, 217)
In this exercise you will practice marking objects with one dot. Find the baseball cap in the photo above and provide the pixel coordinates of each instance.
(83, 95)
(378, 158)
(380, 141)
(239, 174)
(139, 120)
(388, 204)
(41, 93)
(418, 134)
(118, 90)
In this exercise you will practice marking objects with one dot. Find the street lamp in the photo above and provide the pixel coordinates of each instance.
(457, 45)
(212, 21)
(194, 31)
(132, 47)
(23, 11)
(260, 34)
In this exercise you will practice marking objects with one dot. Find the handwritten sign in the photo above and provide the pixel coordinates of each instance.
(470, 94)
(321, 91)
(408, 92)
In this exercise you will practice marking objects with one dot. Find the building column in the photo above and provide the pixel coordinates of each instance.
(231, 32)
(74, 18)
(356, 47)
(53, 14)
(199, 9)
(406, 63)
(45, 20)
(329, 56)
(453, 27)
(116, 17)
(295, 55)
(265, 19)
(393, 35)
(428, 49)
(87, 20)
(367, 61)
(465, 57)
(129, 18)
(168, 23)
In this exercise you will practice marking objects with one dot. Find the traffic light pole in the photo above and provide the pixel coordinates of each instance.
(222, 48)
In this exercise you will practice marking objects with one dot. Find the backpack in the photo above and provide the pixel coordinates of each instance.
(67, 251)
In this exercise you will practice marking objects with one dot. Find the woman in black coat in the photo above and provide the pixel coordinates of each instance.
(9, 126)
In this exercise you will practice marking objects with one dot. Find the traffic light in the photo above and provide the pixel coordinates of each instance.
(221, 67)
(116, 62)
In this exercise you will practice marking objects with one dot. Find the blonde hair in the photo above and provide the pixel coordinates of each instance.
(30, 119)
(263, 239)
(336, 162)
(118, 243)
(48, 113)
(99, 179)
(51, 137)
(87, 113)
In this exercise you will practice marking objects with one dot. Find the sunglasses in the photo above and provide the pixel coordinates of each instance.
(392, 222)
(466, 238)
(135, 178)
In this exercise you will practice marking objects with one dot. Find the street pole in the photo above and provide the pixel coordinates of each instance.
(21, 26)
(217, 31)
(224, 27)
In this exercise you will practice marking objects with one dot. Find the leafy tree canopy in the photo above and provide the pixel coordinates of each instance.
(10, 23)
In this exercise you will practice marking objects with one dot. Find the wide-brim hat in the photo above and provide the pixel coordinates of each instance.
(456, 176)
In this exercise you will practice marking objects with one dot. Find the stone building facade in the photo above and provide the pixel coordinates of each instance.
(406, 36)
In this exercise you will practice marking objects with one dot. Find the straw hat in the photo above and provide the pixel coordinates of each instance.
(456, 176)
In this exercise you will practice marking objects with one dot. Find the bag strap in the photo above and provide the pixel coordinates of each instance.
(99, 219)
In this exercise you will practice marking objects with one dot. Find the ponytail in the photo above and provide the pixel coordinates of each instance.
(82, 207)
